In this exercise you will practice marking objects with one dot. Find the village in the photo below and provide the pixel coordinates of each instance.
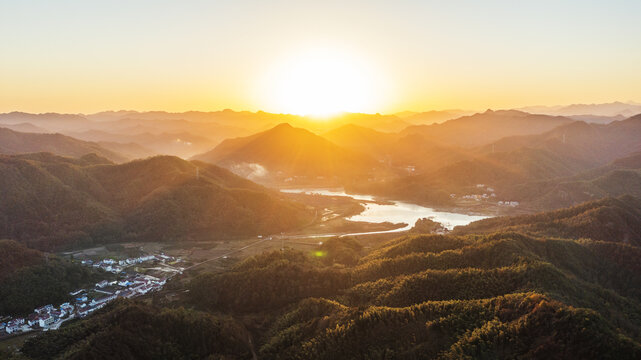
(487, 194)
(85, 301)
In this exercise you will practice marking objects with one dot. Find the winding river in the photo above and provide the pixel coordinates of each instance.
(394, 212)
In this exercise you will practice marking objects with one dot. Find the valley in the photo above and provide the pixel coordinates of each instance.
(286, 240)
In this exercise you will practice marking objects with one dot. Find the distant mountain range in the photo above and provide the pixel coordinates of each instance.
(598, 110)
(581, 141)
(483, 128)
(13, 142)
(384, 154)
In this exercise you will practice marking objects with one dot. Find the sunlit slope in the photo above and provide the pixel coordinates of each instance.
(52, 202)
(411, 153)
(287, 151)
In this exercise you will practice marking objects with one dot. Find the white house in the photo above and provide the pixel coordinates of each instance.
(12, 328)
(46, 321)
(103, 300)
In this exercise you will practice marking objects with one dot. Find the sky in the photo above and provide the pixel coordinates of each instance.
(282, 56)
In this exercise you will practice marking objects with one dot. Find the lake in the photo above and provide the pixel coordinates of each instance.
(394, 211)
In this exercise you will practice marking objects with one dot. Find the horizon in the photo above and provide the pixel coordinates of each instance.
(523, 108)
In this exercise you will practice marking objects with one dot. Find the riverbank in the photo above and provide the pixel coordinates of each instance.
(392, 211)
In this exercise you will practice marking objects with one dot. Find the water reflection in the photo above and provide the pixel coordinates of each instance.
(395, 211)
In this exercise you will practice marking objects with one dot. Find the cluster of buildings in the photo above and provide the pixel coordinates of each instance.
(87, 301)
(116, 266)
(479, 197)
(111, 290)
(44, 318)
(488, 193)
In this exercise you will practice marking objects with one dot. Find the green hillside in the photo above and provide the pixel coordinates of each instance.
(616, 220)
(51, 202)
(30, 278)
(541, 286)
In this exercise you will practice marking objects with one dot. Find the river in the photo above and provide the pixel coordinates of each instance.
(396, 212)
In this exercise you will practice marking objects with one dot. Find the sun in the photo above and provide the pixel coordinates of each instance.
(322, 83)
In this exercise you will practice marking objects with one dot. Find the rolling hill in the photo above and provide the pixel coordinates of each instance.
(13, 142)
(582, 141)
(620, 177)
(53, 122)
(408, 154)
(565, 166)
(503, 171)
(508, 294)
(362, 139)
(610, 219)
(285, 151)
(51, 202)
(484, 128)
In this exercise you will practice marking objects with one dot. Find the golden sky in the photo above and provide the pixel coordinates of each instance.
(316, 56)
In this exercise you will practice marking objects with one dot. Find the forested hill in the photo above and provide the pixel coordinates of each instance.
(30, 278)
(16, 256)
(504, 295)
(620, 177)
(51, 202)
(610, 219)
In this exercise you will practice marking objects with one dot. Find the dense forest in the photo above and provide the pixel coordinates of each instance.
(30, 278)
(52, 202)
(609, 219)
(130, 330)
(500, 295)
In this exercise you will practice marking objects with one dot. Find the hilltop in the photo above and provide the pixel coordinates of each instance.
(286, 151)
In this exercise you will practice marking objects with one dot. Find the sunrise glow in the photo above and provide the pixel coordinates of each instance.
(322, 82)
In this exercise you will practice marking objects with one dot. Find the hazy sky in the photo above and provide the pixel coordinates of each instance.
(87, 56)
